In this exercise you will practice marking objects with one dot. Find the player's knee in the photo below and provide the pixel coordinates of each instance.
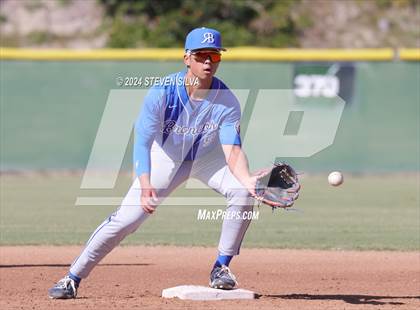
(129, 224)
(238, 191)
(239, 196)
(128, 227)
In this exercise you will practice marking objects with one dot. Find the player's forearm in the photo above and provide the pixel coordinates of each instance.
(141, 153)
(141, 159)
(144, 180)
(238, 163)
(145, 129)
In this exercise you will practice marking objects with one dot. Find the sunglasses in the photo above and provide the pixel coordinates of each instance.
(203, 56)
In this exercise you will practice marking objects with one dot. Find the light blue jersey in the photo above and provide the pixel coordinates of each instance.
(184, 128)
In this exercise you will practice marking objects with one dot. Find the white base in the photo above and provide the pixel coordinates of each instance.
(196, 292)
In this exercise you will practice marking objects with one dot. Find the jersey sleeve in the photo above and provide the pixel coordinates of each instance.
(229, 132)
(146, 128)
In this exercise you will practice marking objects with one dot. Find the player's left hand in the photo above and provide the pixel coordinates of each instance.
(250, 184)
(277, 186)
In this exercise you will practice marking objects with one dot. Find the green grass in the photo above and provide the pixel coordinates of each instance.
(375, 212)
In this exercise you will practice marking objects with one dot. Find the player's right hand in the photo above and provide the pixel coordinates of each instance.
(148, 197)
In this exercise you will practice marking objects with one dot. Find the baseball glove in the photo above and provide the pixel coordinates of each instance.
(277, 186)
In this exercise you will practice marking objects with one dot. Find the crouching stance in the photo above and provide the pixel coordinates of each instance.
(185, 130)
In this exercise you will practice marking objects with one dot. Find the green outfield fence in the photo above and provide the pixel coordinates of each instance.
(52, 101)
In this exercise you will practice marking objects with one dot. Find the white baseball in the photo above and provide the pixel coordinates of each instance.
(335, 178)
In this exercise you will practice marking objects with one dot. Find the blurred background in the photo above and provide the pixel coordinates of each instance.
(59, 61)
(148, 23)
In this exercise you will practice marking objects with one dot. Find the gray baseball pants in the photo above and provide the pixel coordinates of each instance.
(166, 175)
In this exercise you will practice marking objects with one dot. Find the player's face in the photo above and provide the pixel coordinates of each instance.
(204, 63)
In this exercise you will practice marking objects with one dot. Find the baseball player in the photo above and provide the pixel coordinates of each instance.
(188, 127)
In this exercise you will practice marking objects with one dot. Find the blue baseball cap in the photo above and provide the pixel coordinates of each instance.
(201, 38)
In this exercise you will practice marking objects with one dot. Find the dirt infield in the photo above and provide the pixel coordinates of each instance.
(133, 277)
